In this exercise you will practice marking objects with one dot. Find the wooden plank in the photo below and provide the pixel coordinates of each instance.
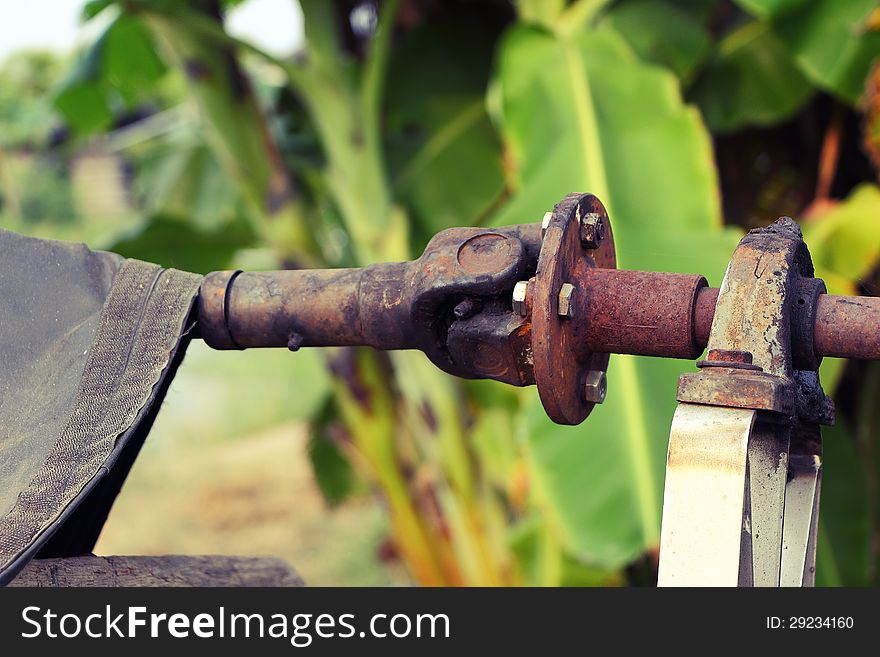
(158, 571)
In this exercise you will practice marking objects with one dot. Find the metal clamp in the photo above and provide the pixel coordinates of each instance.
(744, 463)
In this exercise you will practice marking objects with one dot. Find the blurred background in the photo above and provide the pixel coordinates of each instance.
(260, 134)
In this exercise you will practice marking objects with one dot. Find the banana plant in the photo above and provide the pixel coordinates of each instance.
(362, 151)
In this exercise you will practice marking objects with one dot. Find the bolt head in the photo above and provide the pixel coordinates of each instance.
(595, 386)
(592, 230)
(565, 306)
(520, 290)
(545, 223)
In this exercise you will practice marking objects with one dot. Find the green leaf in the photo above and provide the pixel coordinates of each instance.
(700, 10)
(845, 241)
(830, 39)
(180, 244)
(130, 62)
(94, 7)
(181, 177)
(444, 154)
(662, 33)
(540, 12)
(543, 564)
(750, 80)
(584, 114)
(843, 534)
(81, 98)
(333, 473)
(121, 63)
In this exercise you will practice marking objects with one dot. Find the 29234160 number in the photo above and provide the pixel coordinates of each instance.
(820, 622)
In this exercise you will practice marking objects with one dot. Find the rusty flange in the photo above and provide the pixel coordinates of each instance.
(577, 238)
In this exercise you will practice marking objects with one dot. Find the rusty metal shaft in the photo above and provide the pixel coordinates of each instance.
(847, 327)
(309, 308)
(629, 312)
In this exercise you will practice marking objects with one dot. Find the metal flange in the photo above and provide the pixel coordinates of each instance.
(570, 377)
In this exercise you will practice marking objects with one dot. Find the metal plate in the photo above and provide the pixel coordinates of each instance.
(561, 356)
(705, 497)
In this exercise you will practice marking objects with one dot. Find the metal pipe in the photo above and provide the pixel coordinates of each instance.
(704, 313)
(847, 327)
(309, 308)
(643, 313)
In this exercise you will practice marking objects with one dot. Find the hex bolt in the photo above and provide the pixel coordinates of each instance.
(520, 291)
(595, 386)
(545, 223)
(592, 230)
(565, 307)
(467, 309)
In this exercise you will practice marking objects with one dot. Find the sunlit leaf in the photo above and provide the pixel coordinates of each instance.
(181, 177)
(845, 241)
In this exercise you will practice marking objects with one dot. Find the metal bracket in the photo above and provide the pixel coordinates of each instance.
(744, 462)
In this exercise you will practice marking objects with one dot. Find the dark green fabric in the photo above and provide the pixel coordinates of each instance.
(88, 342)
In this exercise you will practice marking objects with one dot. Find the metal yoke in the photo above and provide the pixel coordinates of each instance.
(744, 463)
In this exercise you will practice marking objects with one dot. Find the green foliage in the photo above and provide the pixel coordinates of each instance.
(113, 74)
(663, 33)
(184, 245)
(832, 40)
(750, 80)
(333, 473)
(441, 147)
(25, 114)
(842, 555)
(845, 244)
(35, 189)
(179, 176)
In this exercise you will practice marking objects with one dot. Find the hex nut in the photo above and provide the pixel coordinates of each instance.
(592, 230)
(595, 386)
(520, 290)
(545, 223)
(565, 306)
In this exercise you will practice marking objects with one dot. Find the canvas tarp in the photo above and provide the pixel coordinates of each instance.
(89, 342)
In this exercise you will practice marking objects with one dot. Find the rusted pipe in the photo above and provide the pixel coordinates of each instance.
(704, 312)
(632, 312)
(847, 327)
(644, 313)
(309, 308)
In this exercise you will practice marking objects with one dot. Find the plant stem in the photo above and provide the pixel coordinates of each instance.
(829, 156)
